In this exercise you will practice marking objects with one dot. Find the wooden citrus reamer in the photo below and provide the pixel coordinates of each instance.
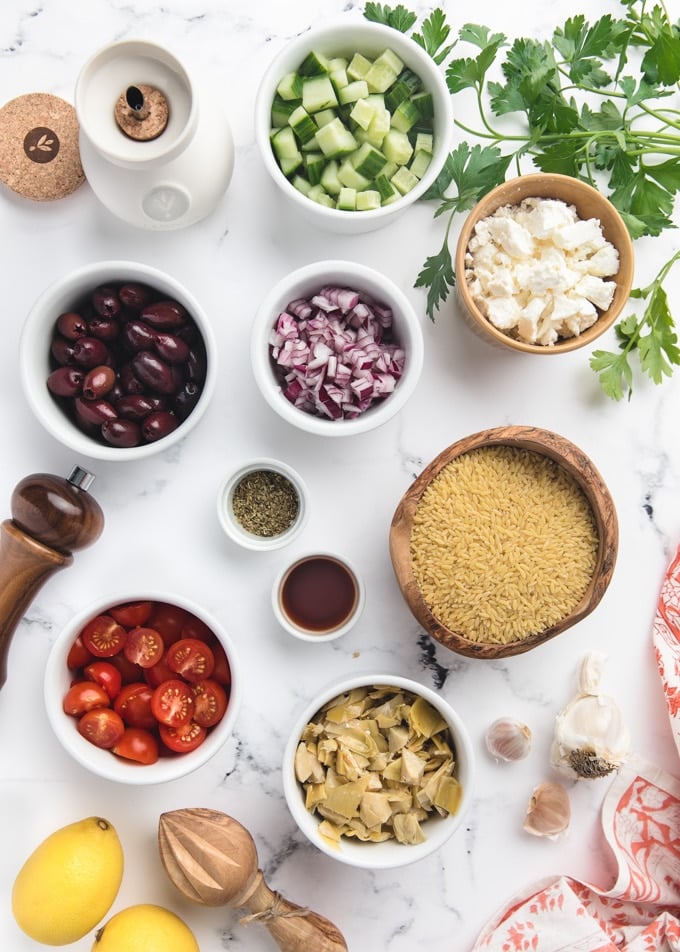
(212, 859)
(51, 516)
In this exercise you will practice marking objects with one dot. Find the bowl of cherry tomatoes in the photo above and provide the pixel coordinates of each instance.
(142, 688)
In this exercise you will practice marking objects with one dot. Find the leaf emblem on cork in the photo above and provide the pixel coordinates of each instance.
(41, 144)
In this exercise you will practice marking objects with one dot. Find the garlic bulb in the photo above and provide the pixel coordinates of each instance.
(549, 811)
(508, 739)
(591, 739)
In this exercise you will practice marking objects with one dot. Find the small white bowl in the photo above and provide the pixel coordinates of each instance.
(389, 853)
(231, 525)
(329, 634)
(104, 763)
(306, 281)
(345, 36)
(34, 354)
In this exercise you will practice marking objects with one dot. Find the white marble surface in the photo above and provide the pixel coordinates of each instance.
(161, 526)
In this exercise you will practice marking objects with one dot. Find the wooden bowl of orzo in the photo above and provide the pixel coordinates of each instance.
(507, 538)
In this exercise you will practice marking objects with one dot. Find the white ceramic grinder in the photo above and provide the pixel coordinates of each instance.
(155, 153)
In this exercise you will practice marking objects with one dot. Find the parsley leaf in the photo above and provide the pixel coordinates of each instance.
(438, 277)
(435, 32)
(399, 18)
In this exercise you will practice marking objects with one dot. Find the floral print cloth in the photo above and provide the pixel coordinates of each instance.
(641, 822)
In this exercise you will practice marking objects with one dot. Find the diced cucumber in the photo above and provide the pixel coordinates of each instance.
(424, 142)
(420, 163)
(347, 200)
(314, 64)
(362, 112)
(353, 91)
(385, 188)
(398, 92)
(368, 200)
(358, 66)
(396, 147)
(335, 139)
(324, 116)
(339, 78)
(302, 124)
(317, 194)
(349, 177)
(368, 161)
(329, 177)
(290, 164)
(290, 86)
(424, 104)
(285, 144)
(380, 124)
(318, 94)
(282, 109)
(410, 79)
(384, 71)
(338, 62)
(311, 145)
(301, 184)
(405, 116)
(403, 180)
(315, 163)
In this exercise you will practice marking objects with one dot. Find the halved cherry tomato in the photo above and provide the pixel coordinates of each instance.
(169, 621)
(132, 614)
(190, 658)
(78, 655)
(158, 673)
(138, 745)
(210, 702)
(221, 672)
(143, 646)
(195, 628)
(183, 739)
(103, 636)
(102, 727)
(84, 696)
(134, 705)
(172, 703)
(106, 675)
(129, 672)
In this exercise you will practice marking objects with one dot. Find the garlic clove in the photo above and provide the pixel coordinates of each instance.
(549, 811)
(508, 739)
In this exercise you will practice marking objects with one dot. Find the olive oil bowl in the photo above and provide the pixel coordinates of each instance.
(263, 504)
(358, 827)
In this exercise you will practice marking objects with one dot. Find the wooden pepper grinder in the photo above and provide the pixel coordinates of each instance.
(211, 858)
(51, 516)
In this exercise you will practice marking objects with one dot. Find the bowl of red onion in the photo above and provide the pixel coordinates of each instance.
(117, 360)
(336, 348)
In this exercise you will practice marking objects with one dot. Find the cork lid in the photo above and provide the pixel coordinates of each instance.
(39, 155)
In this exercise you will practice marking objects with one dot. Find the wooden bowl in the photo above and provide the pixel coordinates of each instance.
(589, 203)
(574, 462)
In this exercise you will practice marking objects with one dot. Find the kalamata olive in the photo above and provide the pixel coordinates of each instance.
(129, 381)
(71, 325)
(154, 372)
(66, 381)
(135, 406)
(171, 348)
(95, 411)
(103, 328)
(89, 352)
(105, 301)
(134, 295)
(138, 335)
(98, 382)
(62, 350)
(157, 425)
(165, 315)
(197, 363)
(186, 399)
(123, 433)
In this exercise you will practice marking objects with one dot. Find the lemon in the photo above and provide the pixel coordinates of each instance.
(145, 928)
(68, 884)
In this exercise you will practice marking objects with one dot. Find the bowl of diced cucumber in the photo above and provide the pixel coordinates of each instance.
(354, 122)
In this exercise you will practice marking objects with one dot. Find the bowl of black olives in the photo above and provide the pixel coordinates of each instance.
(117, 360)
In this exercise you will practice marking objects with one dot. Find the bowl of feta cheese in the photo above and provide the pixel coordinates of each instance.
(544, 263)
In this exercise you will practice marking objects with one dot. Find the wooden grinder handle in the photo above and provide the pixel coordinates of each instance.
(293, 927)
(50, 517)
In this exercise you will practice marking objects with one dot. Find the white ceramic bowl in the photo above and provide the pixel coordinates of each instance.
(345, 36)
(34, 353)
(104, 763)
(331, 634)
(306, 281)
(231, 525)
(389, 853)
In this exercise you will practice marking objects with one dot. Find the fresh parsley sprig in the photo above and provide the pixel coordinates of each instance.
(599, 102)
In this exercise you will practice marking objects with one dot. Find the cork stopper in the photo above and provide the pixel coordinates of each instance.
(141, 112)
(39, 154)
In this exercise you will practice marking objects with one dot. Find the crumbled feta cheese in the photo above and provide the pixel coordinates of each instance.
(536, 270)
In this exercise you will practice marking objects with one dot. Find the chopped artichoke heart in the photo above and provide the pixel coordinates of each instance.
(448, 795)
(325, 750)
(425, 719)
(350, 765)
(407, 829)
(314, 793)
(344, 799)
(375, 809)
(397, 737)
(393, 770)
(307, 766)
(329, 831)
(412, 767)
(378, 763)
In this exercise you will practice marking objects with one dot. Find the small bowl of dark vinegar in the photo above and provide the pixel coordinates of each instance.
(318, 597)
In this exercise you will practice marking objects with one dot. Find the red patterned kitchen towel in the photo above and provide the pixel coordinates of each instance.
(641, 823)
